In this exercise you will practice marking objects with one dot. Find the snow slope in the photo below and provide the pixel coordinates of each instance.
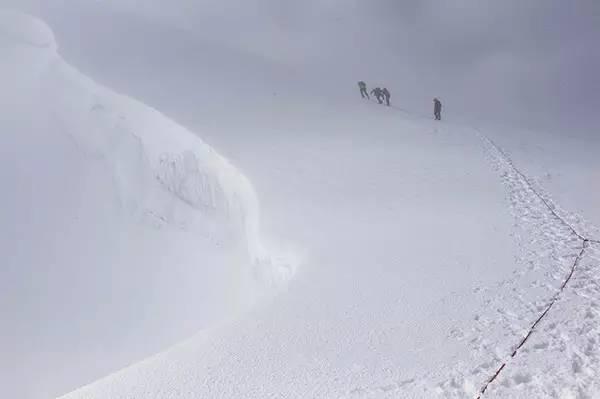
(116, 221)
(564, 165)
(356, 314)
(428, 254)
(424, 300)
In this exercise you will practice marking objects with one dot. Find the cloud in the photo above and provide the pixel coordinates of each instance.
(524, 61)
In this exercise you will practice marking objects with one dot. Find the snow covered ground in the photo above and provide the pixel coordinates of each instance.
(430, 306)
(563, 164)
(417, 257)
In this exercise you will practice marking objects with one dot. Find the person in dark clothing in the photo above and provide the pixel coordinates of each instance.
(437, 109)
(386, 95)
(363, 90)
(378, 93)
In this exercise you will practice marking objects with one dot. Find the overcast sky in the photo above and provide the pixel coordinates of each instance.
(525, 62)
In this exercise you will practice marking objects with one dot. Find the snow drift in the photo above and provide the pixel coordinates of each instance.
(117, 221)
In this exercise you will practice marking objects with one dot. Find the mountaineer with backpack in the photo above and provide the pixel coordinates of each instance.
(363, 90)
(386, 95)
(378, 93)
(437, 109)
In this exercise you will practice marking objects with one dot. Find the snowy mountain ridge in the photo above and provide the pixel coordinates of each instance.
(426, 272)
(142, 147)
(100, 182)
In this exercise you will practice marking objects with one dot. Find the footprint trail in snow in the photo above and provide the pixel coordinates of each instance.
(537, 330)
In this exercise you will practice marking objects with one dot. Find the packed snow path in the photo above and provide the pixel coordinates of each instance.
(516, 180)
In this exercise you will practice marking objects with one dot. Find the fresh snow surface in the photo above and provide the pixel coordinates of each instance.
(393, 256)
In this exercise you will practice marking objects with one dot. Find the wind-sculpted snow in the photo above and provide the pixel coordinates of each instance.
(151, 156)
(126, 204)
